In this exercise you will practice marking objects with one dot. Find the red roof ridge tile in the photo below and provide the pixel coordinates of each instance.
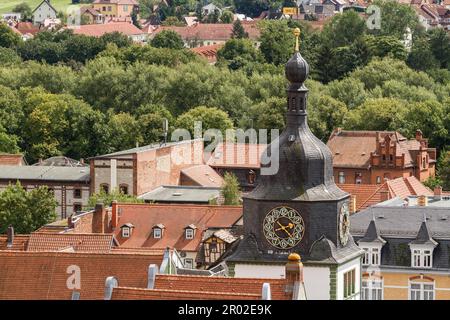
(256, 280)
(191, 291)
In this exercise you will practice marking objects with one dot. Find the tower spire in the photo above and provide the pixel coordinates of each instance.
(297, 37)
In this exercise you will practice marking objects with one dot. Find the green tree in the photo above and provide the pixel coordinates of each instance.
(26, 211)
(277, 41)
(126, 131)
(119, 39)
(227, 17)
(238, 53)
(107, 198)
(151, 122)
(443, 168)
(349, 90)
(8, 38)
(25, 10)
(211, 118)
(9, 57)
(238, 30)
(344, 29)
(421, 56)
(386, 46)
(8, 143)
(326, 113)
(439, 41)
(395, 18)
(230, 190)
(167, 39)
(251, 8)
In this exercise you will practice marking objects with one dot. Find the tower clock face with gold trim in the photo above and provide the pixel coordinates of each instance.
(344, 224)
(283, 227)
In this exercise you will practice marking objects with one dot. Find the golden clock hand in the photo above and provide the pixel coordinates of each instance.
(290, 235)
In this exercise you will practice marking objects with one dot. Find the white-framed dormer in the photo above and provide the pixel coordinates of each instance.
(189, 232)
(372, 253)
(158, 231)
(421, 255)
(126, 230)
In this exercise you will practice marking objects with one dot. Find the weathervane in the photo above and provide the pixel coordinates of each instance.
(297, 36)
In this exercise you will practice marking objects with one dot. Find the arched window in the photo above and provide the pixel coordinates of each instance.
(123, 188)
(421, 288)
(104, 187)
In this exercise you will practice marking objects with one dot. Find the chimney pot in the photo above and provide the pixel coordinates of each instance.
(438, 193)
(114, 215)
(10, 236)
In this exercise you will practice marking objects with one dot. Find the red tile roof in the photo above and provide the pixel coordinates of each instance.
(205, 288)
(80, 242)
(27, 27)
(20, 242)
(133, 2)
(45, 275)
(11, 159)
(208, 52)
(216, 31)
(97, 30)
(175, 217)
(403, 187)
(237, 155)
(203, 175)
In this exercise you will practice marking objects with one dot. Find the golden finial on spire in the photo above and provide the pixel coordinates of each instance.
(297, 36)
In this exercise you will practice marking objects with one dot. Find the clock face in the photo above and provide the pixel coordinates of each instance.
(283, 227)
(344, 224)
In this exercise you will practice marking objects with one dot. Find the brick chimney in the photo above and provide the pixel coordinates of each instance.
(114, 215)
(419, 135)
(352, 204)
(422, 201)
(438, 193)
(10, 237)
(294, 277)
(98, 219)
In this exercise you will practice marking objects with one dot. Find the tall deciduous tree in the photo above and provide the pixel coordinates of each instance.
(238, 30)
(8, 38)
(230, 190)
(167, 39)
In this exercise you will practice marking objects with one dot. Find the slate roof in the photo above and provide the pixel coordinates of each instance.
(43, 275)
(424, 236)
(175, 218)
(372, 234)
(44, 173)
(203, 175)
(183, 194)
(79, 242)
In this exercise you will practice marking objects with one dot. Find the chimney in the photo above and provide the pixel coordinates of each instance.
(114, 215)
(10, 236)
(438, 193)
(352, 204)
(294, 277)
(82, 161)
(384, 194)
(70, 223)
(151, 277)
(40, 161)
(419, 135)
(422, 201)
(266, 293)
(98, 220)
(110, 284)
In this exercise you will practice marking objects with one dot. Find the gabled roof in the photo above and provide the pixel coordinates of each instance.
(372, 234)
(132, 2)
(97, 30)
(44, 275)
(174, 217)
(80, 242)
(208, 52)
(203, 175)
(60, 161)
(45, 173)
(48, 3)
(424, 236)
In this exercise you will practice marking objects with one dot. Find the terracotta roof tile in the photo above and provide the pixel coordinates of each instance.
(221, 284)
(80, 242)
(216, 31)
(20, 242)
(121, 293)
(175, 217)
(203, 175)
(365, 194)
(44, 275)
(208, 52)
(97, 30)
(404, 187)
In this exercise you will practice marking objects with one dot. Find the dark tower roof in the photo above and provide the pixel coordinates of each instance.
(372, 234)
(424, 236)
(305, 169)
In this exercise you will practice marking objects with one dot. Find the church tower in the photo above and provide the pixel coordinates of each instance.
(299, 209)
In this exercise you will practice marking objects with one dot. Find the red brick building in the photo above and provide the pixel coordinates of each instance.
(372, 157)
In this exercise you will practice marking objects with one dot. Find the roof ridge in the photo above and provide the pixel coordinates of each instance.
(372, 195)
(191, 291)
(218, 277)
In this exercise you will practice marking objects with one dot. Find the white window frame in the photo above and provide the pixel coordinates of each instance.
(372, 254)
(189, 233)
(372, 289)
(421, 256)
(157, 233)
(126, 232)
(189, 261)
(341, 177)
(421, 291)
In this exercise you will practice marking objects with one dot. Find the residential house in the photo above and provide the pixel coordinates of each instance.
(241, 159)
(43, 11)
(371, 157)
(406, 248)
(97, 30)
(210, 9)
(201, 34)
(116, 8)
(208, 52)
(11, 17)
(365, 195)
(70, 185)
(91, 16)
(182, 194)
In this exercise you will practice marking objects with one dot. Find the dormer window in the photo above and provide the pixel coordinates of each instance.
(158, 231)
(371, 255)
(127, 230)
(189, 232)
(421, 257)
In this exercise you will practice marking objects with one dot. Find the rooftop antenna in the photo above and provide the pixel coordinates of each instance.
(165, 125)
